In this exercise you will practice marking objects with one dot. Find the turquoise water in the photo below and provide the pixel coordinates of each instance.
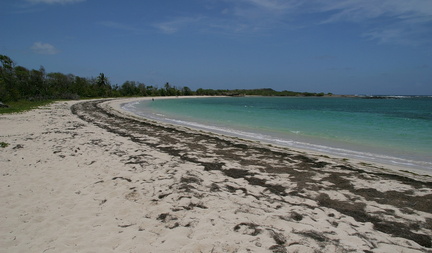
(392, 131)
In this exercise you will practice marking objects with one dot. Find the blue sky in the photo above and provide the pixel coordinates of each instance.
(338, 46)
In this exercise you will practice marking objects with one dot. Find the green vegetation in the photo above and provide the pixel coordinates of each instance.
(23, 105)
(3, 144)
(19, 83)
(257, 92)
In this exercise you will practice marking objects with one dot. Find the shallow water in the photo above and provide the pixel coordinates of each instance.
(390, 131)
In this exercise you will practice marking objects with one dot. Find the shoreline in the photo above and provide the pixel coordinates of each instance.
(96, 179)
(348, 157)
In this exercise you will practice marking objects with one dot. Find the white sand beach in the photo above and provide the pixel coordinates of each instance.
(82, 176)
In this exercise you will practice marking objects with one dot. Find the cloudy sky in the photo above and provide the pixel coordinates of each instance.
(338, 46)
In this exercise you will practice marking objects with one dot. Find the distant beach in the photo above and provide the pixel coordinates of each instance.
(88, 176)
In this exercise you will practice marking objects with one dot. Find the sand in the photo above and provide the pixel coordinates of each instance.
(83, 176)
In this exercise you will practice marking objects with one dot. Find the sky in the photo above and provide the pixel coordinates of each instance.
(333, 46)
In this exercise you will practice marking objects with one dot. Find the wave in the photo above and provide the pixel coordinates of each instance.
(284, 142)
(394, 96)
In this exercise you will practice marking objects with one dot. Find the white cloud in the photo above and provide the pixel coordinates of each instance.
(44, 48)
(343, 10)
(259, 10)
(383, 35)
(385, 21)
(360, 10)
(270, 4)
(405, 22)
(176, 24)
(55, 1)
(248, 16)
(120, 26)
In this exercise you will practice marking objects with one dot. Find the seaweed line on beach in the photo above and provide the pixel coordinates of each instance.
(283, 175)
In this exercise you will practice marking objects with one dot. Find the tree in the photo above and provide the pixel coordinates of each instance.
(102, 80)
(103, 85)
(142, 90)
(7, 79)
(152, 91)
(38, 83)
(7, 63)
(58, 84)
(82, 87)
(129, 88)
(22, 82)
(3, 92)
(169, 90)
(187, 91)
(200, 91)
(167, 86)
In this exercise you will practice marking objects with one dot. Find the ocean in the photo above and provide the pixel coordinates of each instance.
(394, 131)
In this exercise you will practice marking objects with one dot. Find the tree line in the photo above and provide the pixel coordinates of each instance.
(257, 92)
(18, 82)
